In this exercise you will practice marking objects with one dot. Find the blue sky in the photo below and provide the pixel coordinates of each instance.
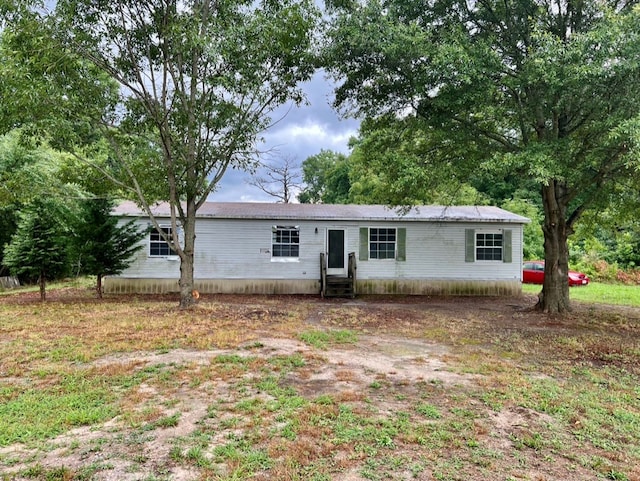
(303, 132)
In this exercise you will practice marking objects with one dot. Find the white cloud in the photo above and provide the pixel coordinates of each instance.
(310, 137)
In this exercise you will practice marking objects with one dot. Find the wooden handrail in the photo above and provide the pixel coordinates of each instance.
(323, 274)
(351, 271)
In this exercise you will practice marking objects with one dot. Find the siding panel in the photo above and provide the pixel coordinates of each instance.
(241, 249)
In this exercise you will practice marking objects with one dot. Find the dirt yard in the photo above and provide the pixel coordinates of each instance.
(303, 388)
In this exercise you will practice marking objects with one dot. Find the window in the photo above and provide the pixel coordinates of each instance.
(285, 241)
(488, 246)
(382, 243)
(158, 247)
(533, 266)
(376, 243)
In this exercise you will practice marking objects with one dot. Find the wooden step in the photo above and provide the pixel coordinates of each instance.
(338, 286)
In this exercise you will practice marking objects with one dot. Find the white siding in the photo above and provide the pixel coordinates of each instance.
(241, 249)
(437, 251)
(146, 266)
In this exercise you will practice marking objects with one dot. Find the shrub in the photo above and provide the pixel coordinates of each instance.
(628, 276)
(601, 271)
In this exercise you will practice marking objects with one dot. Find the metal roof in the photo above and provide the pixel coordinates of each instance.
(350, 212)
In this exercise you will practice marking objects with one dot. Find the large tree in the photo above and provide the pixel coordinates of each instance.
(544, 89)
(326, 179)
(196, 82)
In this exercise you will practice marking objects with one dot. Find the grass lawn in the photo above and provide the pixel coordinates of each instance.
(599, 293)
(299, 388)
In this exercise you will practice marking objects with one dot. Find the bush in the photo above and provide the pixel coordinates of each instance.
(601, 271)
(629, 276)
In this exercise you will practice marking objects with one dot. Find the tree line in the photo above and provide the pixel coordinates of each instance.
(455, 98)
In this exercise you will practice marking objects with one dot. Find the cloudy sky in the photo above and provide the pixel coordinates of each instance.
(303, 132)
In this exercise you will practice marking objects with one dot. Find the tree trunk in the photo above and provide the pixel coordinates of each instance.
(554, 298)
(186, 258)
(99, 286)
(42, 282)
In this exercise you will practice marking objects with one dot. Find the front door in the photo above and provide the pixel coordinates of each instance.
(336, 252)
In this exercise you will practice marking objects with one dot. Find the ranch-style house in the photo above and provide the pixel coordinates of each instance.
(261, 248)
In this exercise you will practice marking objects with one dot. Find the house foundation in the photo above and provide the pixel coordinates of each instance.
(422, 287)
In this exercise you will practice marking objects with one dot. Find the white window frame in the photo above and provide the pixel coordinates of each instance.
(160, 242)
(292, 243)
(476, 248)
(379, 242)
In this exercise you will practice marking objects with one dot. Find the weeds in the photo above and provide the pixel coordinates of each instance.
(39, 414)
(324, 339)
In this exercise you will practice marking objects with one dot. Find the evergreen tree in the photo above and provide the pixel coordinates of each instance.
(8, 224)
(38, 249)
(103, 247)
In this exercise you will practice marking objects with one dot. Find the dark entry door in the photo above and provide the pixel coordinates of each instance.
(335, 251)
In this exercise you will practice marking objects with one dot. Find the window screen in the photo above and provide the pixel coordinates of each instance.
(158, 247)
(285, 241)
(382, 243)
(488, 246)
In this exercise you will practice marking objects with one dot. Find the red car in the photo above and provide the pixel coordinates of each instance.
(533, 273)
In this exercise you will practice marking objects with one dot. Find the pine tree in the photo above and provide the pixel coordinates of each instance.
(38, 249)
(103, 247)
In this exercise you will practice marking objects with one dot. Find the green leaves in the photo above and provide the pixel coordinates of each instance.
(326, 176)
(199, 81)
(495, 89)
